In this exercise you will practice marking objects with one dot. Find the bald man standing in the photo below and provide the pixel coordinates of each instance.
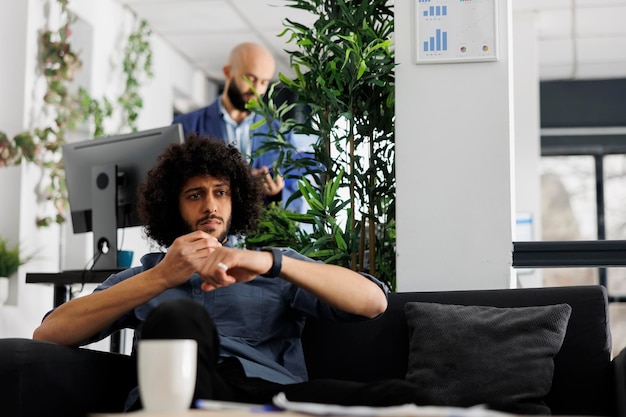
(227, 118)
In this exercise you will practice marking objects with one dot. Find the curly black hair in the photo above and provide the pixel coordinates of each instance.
(197, 156)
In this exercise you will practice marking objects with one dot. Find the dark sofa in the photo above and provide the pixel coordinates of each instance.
(72, 382)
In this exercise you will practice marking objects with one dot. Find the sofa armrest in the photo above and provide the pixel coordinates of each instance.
(42, 378)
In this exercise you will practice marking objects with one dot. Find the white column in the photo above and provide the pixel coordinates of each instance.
(13, 21)
(27, 303)
(454, 141)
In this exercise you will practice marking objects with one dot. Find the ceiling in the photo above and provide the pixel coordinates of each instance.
(578, 39)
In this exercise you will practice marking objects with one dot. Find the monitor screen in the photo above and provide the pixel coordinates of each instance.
(103, 176)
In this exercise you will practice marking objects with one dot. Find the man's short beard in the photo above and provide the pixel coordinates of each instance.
(235, 96)
(223, 237)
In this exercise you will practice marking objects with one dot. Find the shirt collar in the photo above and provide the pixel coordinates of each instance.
(228, 118)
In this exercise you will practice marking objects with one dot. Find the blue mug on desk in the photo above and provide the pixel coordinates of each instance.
(124, 258)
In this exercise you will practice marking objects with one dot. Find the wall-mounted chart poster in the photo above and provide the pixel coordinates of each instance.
(455, 31)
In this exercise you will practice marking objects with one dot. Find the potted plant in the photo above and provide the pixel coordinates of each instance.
(344, 96)
(10, 260)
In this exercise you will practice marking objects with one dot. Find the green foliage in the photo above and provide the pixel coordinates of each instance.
(277, 228)
(344, 65)
(10, 259)
(58, 63)
(137, 60)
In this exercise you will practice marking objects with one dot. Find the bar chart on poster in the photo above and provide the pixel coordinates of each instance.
(455, 31)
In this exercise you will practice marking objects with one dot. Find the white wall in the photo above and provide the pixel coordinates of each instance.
(12, 21)
(107, 25)
(454, 166)
(26, 304)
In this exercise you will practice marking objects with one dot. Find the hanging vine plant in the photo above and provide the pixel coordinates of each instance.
(57, 64)
(137, 61)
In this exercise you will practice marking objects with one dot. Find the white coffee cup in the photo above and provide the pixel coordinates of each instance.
(166, 370)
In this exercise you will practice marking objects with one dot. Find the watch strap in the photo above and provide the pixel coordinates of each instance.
(277, 262)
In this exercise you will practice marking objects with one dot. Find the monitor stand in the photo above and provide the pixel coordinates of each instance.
(104, 216)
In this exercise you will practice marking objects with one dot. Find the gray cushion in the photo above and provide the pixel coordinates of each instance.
(501, 357)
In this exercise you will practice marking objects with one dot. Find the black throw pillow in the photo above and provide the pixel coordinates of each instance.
(461, 356)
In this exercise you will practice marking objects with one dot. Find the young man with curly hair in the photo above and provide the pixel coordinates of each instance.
(245, 308)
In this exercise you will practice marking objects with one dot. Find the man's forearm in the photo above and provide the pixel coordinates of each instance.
(340, 287)
(80, 319)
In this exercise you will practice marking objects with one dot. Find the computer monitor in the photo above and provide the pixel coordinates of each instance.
(102, 177)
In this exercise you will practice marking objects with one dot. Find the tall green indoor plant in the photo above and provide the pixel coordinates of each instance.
(344, 96)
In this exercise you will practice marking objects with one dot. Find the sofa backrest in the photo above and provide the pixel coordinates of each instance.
(378, 349)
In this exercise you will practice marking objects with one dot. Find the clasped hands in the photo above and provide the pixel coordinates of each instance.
(218, 266)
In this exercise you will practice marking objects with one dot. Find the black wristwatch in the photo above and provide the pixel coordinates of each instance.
(277, 262)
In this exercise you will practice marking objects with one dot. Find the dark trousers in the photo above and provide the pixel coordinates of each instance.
(226, 381)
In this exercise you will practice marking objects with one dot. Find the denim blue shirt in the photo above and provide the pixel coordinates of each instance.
(259, 322)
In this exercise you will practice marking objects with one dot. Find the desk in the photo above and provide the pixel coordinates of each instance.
(61, 282)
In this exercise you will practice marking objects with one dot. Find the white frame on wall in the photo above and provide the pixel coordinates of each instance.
(452, 31)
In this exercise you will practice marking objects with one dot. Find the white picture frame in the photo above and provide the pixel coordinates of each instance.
(451, 31)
